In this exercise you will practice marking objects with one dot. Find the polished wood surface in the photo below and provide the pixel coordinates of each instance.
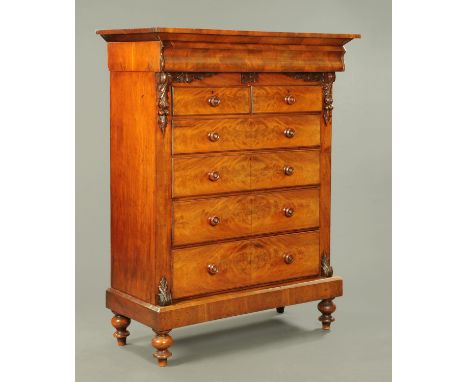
(202, 309)
(133, 56)
(133, 166)
(245, 262)
(120, 323)
(203, 175)
(190, 101)
(244, 215)
(273, 99)
(220, 175)
(193, 135)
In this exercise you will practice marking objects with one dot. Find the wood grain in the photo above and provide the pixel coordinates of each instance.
(192, 135)
(133, 187)
(191, 224)
(268, 210)
(133, 56)
(244, 172)
(244, 215)
(271, 99)
(209, 308)
(190, 101)
(244, 262)
(268, 170)
(191, 175)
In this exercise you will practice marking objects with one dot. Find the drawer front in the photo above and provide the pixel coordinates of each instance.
(270, 211)
(197, 221)
(210, 175)
(218, 267)
(285, 257)
(194, 220)
(218, 174)
(210, 268)
(192, 101)
(200, 136)
(285, 169)
(280, 99)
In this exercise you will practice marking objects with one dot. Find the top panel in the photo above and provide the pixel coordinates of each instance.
(217, 35)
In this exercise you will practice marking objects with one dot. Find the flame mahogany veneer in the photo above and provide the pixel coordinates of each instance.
(220, 175)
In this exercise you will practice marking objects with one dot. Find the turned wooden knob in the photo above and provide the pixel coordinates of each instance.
(214, 220)
(290, 99)
(213, 137)
(288, 259)
(212, 269)
(289, 132)
(288, 170)
(288, 212)
(213, 176)
(214, 101)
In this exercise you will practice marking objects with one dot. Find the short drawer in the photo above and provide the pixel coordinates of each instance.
(280, 99)
(193, 101)
(228, 134)
(203, 220)
(217, 174)
(218, 267)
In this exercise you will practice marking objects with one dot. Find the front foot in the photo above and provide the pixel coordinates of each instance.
(326, 307)
(280, 309)
(161, 342)
(120, 323)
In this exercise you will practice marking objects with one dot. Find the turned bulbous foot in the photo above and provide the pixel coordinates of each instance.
(326, 307)
(280, 309)
(120, 323)
(162, 341)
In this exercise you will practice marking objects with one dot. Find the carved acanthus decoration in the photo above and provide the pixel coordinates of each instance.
(327, 86)
(187, 77)
(326, 270)
(164, 80)
(326, 79)
(164, 295)
(248, 78)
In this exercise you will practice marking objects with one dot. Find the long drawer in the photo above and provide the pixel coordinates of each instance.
(210, 219)
(203, 175)
(229, 134)
(216, 267)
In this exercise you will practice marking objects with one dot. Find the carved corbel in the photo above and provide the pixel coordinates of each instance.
(164, 294)
(326, 270)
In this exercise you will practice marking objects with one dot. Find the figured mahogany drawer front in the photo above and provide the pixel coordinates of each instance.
(209, 135)
(280, 99)
(203, 220)
(217, 174)
(192, 101)
(217, 267)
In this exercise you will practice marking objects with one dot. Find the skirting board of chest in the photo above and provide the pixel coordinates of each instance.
(220, 147)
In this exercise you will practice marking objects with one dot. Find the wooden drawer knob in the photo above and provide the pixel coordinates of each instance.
(214, 101)
(213, 176)
(290, 99)
(213, 137)
(288, 170)
(288, 211)
(289, 132)
(288, 259)
(214, 220)
(212, 269)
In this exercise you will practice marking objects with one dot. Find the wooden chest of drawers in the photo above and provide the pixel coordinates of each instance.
(220, 175)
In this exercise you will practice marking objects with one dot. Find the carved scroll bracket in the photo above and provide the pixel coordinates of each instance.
(326, 79)
(164, 295)
(326, 270)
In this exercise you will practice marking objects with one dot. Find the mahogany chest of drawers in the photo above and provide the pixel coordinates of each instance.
(220, 175)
